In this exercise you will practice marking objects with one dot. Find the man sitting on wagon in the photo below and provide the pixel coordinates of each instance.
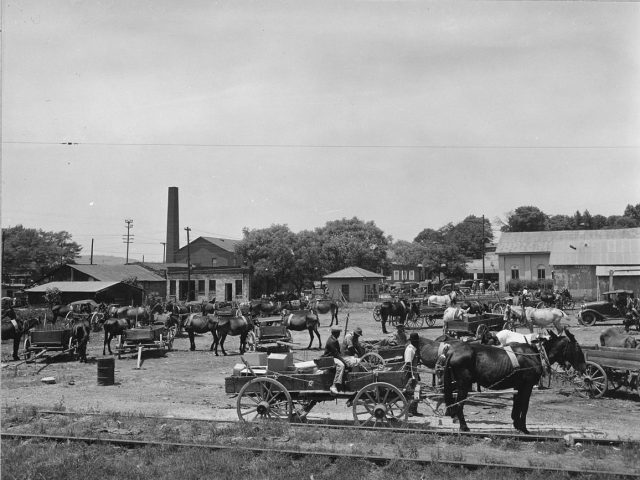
(332, 349)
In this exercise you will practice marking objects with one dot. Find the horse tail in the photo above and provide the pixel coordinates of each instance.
(448, 381)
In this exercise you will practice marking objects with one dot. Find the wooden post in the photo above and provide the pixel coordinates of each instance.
(139, 357)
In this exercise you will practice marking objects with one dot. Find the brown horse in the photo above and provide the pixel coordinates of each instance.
(198, 323)
(299, 320)
(14, 328)
(396, 308)
(325, 305)
(497, 368)
(80, 330)
(112, 328)
(60, 311)
(236, 325)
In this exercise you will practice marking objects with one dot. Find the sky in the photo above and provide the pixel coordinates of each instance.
(410, 114)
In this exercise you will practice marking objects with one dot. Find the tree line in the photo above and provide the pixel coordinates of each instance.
(279, 257)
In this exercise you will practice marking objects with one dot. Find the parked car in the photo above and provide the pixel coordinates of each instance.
(612, 307)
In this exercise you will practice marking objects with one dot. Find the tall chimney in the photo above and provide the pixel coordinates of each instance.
(173, 225)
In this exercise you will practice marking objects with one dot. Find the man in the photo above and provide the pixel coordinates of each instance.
(332, 349)
(351, 344)
(411, 358)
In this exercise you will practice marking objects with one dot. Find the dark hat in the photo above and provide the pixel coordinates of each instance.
(336, 329)
(414, 337)
(357, 331)
(400, 326)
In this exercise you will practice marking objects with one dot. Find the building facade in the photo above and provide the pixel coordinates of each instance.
(354, 284)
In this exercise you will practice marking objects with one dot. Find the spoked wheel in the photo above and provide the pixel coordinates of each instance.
(264, 399)
(27, 348)
(430, 320)
(371, 361)
(376, 313)
(97, 319)
(595, 380)
(68, 320)
(414, 322)
(499, 308)
(509, 325)
(380, 404)
(251, 342)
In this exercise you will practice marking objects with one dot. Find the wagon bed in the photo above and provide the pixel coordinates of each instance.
(470, 326)
(49, 339)
(153, 337)
(272, 338)
(610, 368)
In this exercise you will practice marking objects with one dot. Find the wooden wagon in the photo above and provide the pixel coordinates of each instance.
(377, 398)
(152, 337)
(271, 337)
(610, 368)
(41, 341)
(469, 326)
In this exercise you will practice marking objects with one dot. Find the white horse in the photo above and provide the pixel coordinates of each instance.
(507, 336)
(540, 317)
(455, 313)
(446, 300)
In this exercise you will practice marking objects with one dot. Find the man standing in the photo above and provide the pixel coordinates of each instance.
(411, 358)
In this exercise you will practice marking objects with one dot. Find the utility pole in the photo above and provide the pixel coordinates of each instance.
(483, 282)
(164, 252)
(91, 260)
(188, 229)
(129, 238)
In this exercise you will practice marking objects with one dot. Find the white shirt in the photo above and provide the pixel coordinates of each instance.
(410, 353)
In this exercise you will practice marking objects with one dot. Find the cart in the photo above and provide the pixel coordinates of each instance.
(391, 356)
(610, 368)
(41, 341)
(428, 314)
(153, 337)
(377, 398)
(272, 337)
(469, 327)
(86, 310)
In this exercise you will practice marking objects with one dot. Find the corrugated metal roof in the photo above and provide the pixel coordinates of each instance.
(84, 287)
(224, 243)
(618, 271)
(541, 242)
(491, 264)
(353, 272)
(117, 273)
(598, 251)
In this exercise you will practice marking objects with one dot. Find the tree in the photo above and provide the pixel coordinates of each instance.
(428, 236)
(560, 222)
(469, 236)
(52, 296)
(632, 212)
(28, 250)
(526, 219)
(408, 253)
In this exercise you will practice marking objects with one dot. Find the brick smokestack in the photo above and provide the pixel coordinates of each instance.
(173, 225)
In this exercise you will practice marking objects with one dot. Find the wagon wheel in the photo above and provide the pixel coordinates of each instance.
(27, 348)
(371, 361)
(509, 325)
(541, 305)
(72, 347)
(431, 320)
(595, 380)
(68, 319)
(380, 404)
(264, 398)
(414, 322)
(251, 342)
(376, 313)
(499, 308)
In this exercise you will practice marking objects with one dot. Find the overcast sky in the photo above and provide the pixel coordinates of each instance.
(409, 114)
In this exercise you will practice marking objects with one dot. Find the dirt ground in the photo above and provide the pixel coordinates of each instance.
(189, 384)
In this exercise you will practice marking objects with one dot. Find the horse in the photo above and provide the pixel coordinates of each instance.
(506, 337)
(80, 330)
(262, 307)
(112, 328)
(615, 337)
(234, 326)
(197, 323)
(396, 308)
(498, 368)
(325, 305)
(299, 320)
(540, 317)
(14, 328)
(60, 311)
(475, 307)
(446, 300)
(181, 312)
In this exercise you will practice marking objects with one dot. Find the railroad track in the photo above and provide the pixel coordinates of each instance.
(379, 460)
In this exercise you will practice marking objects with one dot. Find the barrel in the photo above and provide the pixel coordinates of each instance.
(106, 369)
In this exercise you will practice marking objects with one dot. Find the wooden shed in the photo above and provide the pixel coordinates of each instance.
(354, 284)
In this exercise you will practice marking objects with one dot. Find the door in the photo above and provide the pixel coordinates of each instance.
(345, 291)
(228, 292)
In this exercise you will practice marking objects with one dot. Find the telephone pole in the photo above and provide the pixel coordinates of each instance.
(483, 282)
(188, 229)
(129, 237)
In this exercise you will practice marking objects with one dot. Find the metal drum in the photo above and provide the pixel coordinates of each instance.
(106, 370)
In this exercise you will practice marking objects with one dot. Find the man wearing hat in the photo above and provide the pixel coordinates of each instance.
(411, 359)
(351, 345)
(332, 349)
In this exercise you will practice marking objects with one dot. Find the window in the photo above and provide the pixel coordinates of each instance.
(238, 288)
(412, 275)
(541, 272)
(214, 261)
(396, 274)
(515, 272)
(172, 287)
(404, 274)
(200, 287)
(212, 287)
